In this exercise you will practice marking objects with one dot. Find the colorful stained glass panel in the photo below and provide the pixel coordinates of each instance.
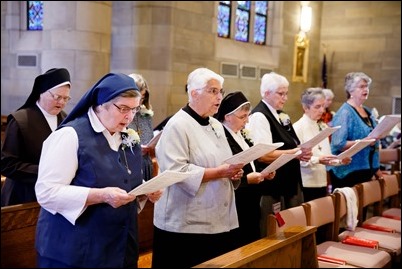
(242, 25)
(35, 15)
(223, 21)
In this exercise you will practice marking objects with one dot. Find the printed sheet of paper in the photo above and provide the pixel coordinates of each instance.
(253, 153)
(161, 181)
(282, 160)
(319, 137)
(361, 144)
(154, 140)
(385, 126)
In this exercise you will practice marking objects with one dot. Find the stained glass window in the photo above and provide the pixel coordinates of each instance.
(224, 13)
(260, 22)
(250, 17)
(261, 7)
(242, 21)
(35, 15)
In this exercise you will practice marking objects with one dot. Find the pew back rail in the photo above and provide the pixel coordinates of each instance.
(18, 226)
(293, 248)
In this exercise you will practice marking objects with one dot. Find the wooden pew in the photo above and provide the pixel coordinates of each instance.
(18, 226)
(146, 227)
(293, 248)
(391, 157)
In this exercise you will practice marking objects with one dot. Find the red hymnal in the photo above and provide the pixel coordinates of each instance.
(368, 243)
(378, 228)
(325, 258)
(392, 217)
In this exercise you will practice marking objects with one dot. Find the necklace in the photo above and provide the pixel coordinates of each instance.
(363, 114)
(126, 164)
(319, 129)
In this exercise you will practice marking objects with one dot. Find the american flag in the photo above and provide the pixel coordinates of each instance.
(324, 77)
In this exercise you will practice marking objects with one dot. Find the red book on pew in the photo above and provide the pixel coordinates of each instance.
(392, 217)
(378, 228)
(368, 243)
(329, 259)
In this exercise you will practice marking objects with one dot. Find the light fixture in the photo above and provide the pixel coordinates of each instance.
(305, 18)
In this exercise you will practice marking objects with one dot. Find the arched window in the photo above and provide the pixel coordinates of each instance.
(34, 15)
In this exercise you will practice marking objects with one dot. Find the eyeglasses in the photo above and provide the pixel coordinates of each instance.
(126, 109)
(58, 98)
(243, 117)
(282, 94)
(215, 91)
(362, 87)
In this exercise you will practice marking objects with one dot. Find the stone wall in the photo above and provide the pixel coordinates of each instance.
(165, 40)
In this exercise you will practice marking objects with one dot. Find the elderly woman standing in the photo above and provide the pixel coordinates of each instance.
(87, 167)
(26, 130)
(197, 215)
(142, 123)
(328, 113)
(233, 113)
(357, 122)
(314, 173)
(269, 124)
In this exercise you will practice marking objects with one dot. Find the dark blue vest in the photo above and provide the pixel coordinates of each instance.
(99, 237)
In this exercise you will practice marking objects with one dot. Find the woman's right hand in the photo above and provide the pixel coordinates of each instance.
(232, 171)
(116, 197)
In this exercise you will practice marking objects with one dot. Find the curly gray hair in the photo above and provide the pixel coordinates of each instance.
(352, 79)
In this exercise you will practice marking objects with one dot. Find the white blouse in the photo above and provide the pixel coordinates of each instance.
(313, 173)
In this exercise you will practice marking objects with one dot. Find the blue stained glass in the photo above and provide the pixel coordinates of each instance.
(261, 7)
(245, 5)
(225, 2)
(223, 21)
(260, 27)
(35, 15)
(242, 25)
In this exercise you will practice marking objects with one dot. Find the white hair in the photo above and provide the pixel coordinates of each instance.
(271, 82)
(199, 78)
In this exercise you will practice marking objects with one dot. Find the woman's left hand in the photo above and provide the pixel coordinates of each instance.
(154, 196)
(270, 175)
(238, 175)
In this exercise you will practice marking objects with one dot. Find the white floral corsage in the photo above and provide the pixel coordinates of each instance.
(214, 128)
(284, 118)
(246, 135)
(129, 139)
(144, 111)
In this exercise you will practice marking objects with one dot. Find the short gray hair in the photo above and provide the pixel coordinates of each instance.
(352, 79)
(310, 95)
(328, 93)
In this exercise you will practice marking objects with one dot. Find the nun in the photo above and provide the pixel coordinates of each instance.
(233, 113)
(87, 167)
(26, 130)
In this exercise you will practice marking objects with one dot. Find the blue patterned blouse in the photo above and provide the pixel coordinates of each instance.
(353, 127)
